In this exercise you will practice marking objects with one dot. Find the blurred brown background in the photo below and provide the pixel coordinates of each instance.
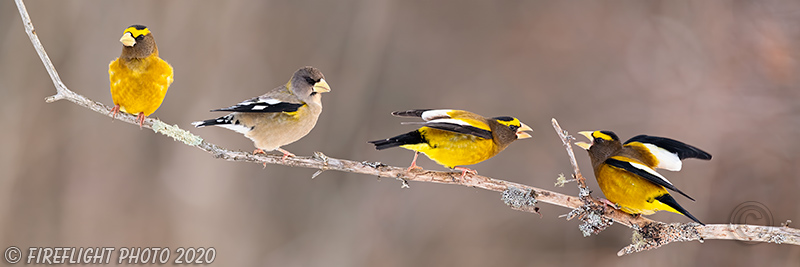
(721, 75)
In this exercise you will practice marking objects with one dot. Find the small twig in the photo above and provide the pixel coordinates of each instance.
(520, 197)
(566, 140)
(26, 21)
(61, 90)
(594, 216)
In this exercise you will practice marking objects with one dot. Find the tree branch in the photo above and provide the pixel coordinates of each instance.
(648, 234)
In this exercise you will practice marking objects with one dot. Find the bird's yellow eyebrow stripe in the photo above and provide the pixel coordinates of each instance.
(514, 122)
(136, 32)
(599, 134)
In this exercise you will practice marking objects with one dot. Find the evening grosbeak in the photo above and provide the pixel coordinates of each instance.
(454, 138)
(279, 117)
(626, 175)
(139, 78)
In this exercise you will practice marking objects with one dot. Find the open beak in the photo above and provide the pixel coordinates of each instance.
(585, 145)
(322, 86)
(127, 39)
(521, 132)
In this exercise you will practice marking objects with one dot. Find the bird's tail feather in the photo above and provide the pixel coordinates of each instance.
(221, 120)
(413, 137)
(409, 113)
(670, 201)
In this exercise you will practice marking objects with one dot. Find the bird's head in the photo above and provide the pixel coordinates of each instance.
(604, 143)
(137, 42)
(510, 129)
(308, 82)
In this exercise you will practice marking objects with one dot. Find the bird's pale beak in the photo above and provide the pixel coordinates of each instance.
(521, 132)
(588, 134)
(322, 86)
(127, 39)
(585, 145)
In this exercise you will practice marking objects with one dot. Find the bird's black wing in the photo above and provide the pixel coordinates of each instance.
(645, 172)
(263, 105)
(683, 150)
(462, 129)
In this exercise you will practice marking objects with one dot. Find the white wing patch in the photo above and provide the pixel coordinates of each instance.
(666, 160)
(235, 127)
(450, 121)
(649, 170)
(269, 101)
(436, 114)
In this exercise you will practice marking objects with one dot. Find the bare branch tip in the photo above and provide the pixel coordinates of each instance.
(561, 180)
(53, 98)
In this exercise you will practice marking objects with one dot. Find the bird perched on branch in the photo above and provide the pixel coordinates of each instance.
(626, 175)
(139, 78)
(454, 138)
(279, 117)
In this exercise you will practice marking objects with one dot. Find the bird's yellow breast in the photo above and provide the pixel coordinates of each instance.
(139, 85)
(632, 193)
(453, 149)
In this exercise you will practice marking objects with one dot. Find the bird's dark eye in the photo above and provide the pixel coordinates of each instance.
(513, 127)
(139, 38)
(309, 80)
(599, 140)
